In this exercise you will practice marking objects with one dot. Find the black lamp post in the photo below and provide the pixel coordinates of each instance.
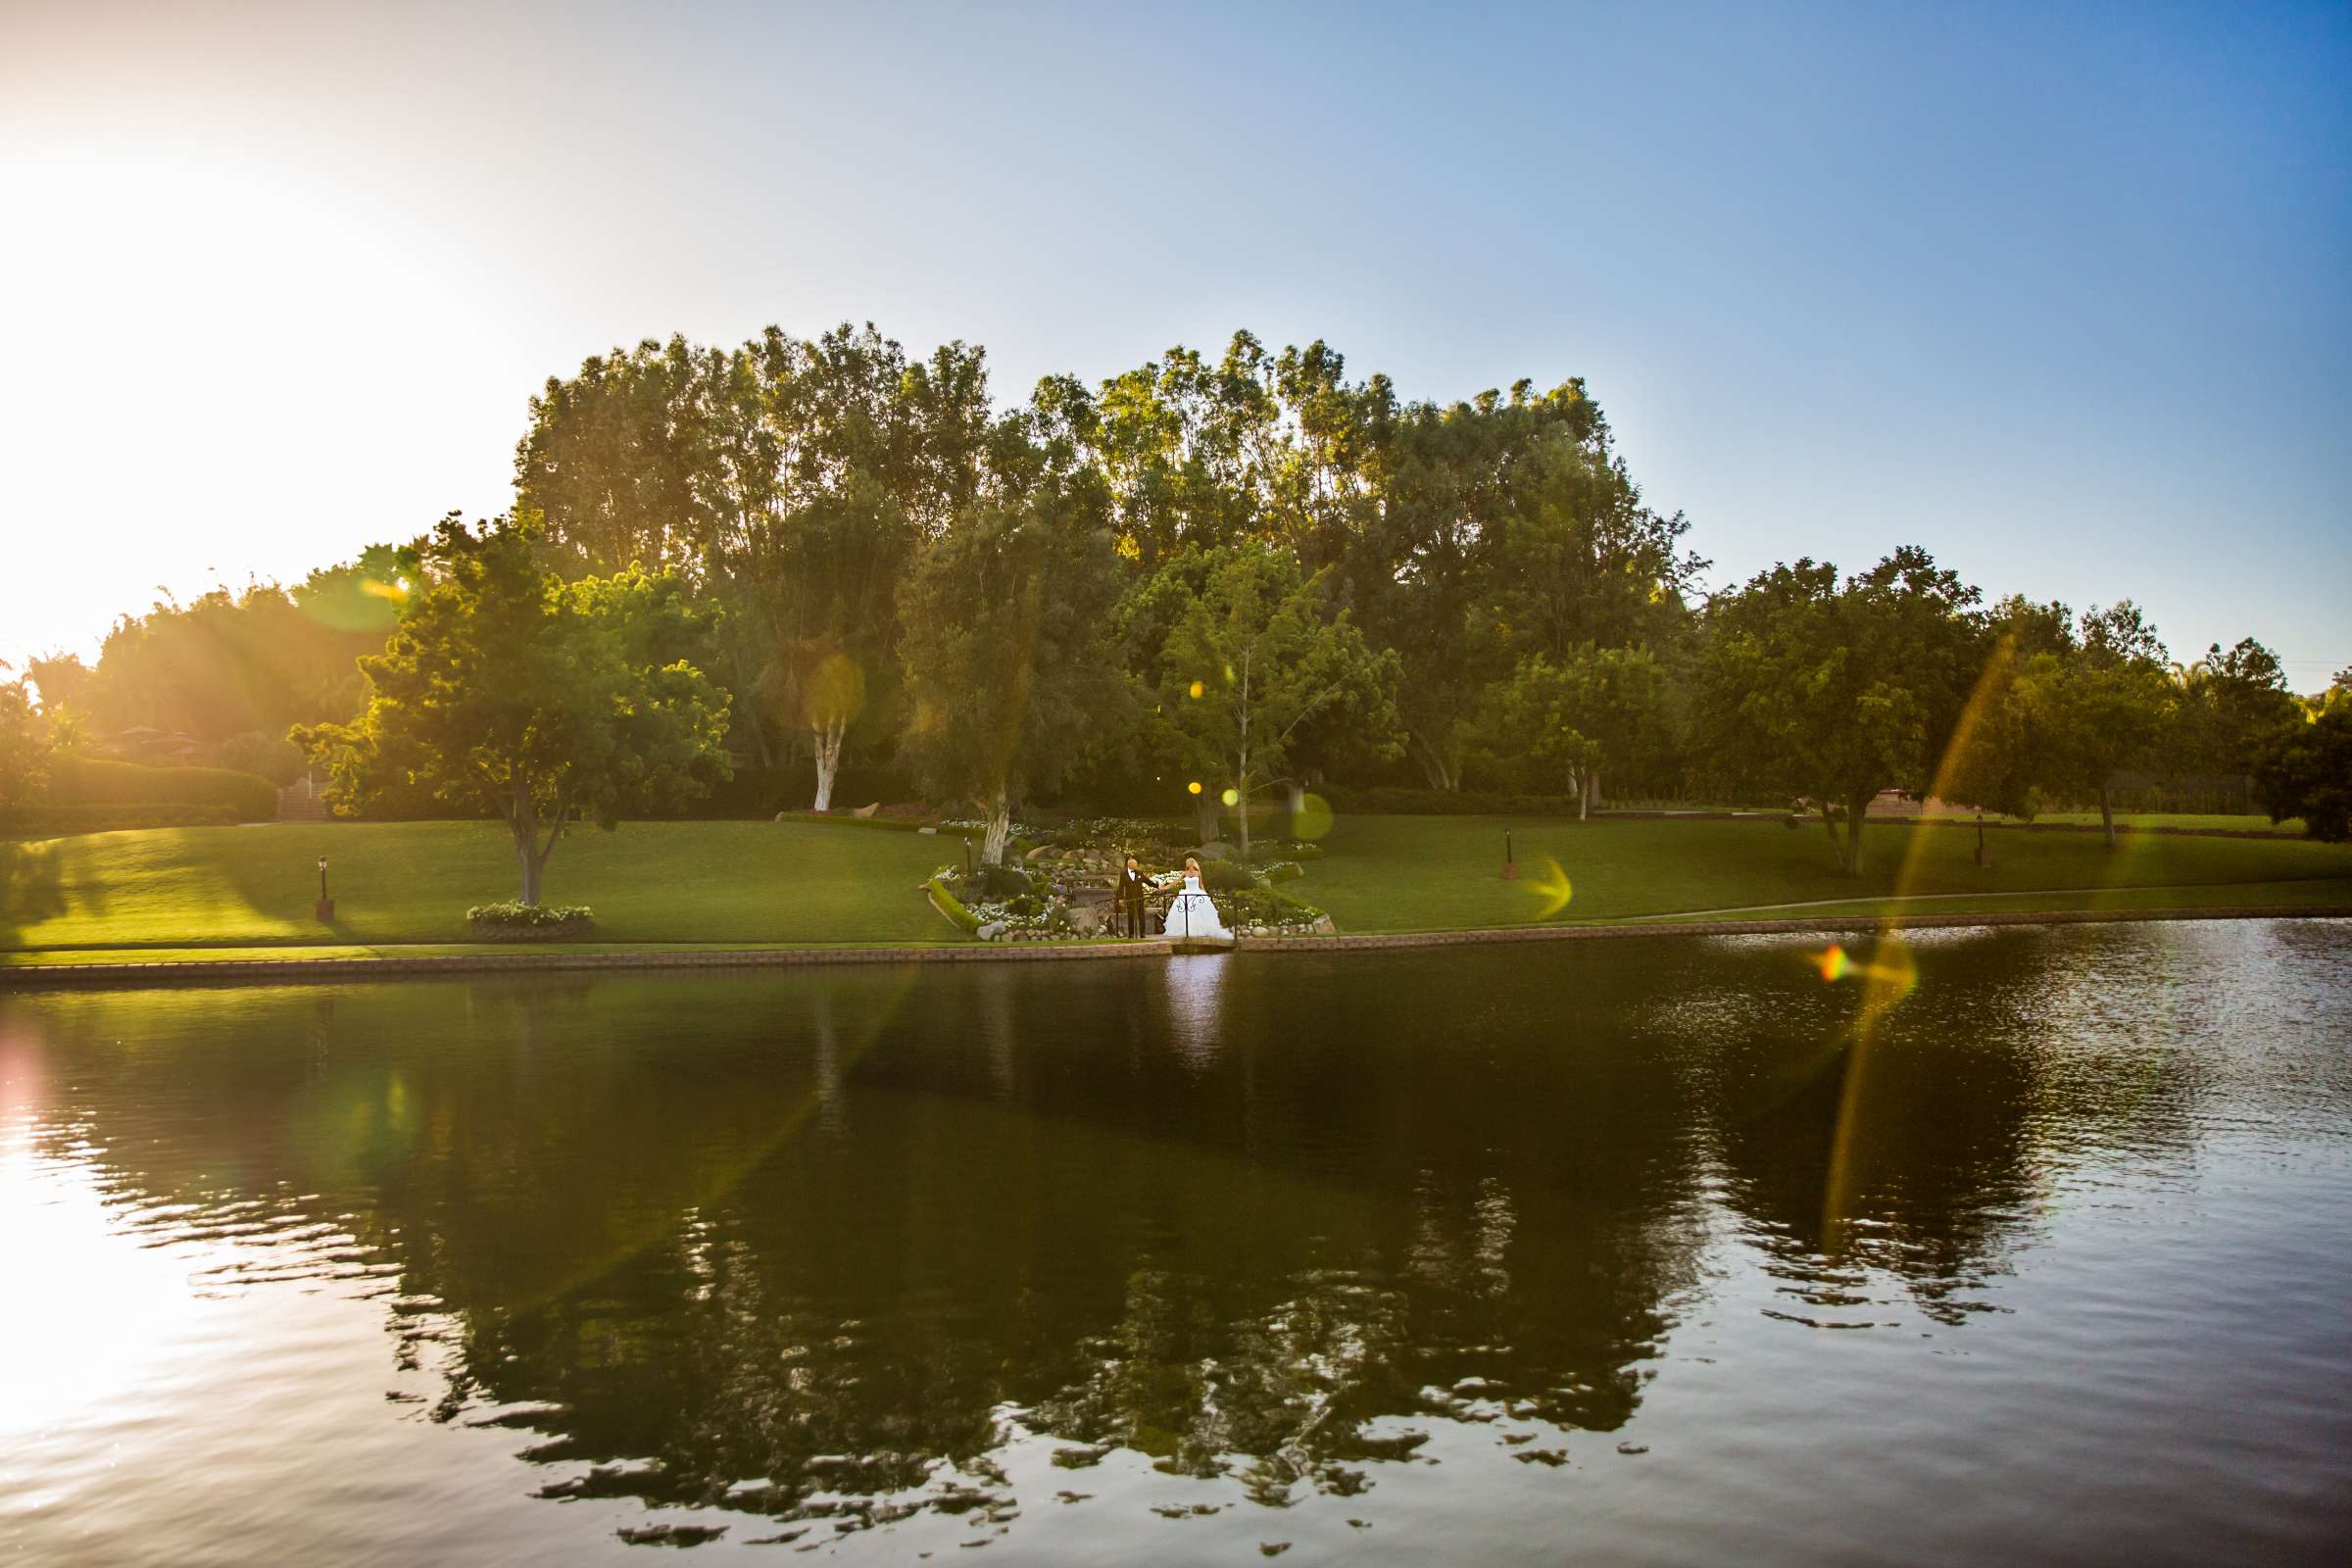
(1511, 862)
(326, 905)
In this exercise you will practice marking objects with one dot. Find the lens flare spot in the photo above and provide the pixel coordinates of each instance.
(1193, 787)
(1833, 963)
(1231, 797)
(1551, 887)
(1196, 690)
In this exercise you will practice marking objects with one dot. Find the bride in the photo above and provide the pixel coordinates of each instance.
(1192, 917)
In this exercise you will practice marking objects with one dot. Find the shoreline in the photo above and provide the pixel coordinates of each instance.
(295, 970)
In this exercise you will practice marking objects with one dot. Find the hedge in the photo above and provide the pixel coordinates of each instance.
(761, 792)
(83, 781)
(949, 905)
(1388, 799)
(58, 820)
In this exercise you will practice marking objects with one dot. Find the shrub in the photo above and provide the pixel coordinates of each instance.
(270, 757)
(1388, 799)
(949, 905)
(513, 914)
(95, 781)
(1003, 882)
(517, 922)
(1226, 876)
(59, 820)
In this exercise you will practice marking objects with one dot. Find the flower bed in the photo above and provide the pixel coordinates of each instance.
(530, 922)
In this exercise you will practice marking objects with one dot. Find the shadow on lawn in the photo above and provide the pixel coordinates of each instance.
(32, 887)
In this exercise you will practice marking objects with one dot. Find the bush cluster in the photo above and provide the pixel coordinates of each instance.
(530, 916)
(64, 819)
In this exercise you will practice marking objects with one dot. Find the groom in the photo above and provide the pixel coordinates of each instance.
(1132, 888)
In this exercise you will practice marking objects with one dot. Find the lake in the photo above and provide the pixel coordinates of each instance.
(2018, 1245)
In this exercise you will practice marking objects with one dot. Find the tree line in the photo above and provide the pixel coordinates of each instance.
(1246, 574)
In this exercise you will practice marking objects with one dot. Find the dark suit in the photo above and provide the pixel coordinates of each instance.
(1132, 889)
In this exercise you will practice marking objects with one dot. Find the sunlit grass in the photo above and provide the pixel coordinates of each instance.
(402, 889)
(412, 882)
(1413, 873)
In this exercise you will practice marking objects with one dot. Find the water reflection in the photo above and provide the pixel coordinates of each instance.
(817, 1254)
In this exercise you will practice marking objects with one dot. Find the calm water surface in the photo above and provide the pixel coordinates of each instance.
(1621, 1252)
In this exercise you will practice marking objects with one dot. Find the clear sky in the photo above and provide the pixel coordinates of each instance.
(2063, 293)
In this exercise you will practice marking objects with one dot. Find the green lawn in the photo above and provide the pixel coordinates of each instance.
(195, 892)
(2186, 821)
(1421, 873)
(412, 882)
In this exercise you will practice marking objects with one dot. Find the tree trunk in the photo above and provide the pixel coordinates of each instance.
(1204, 818)
(1591, 791)
(1857, 808)
(999, 830)
(1241, 812)
(522, 820)
(2107, 816)
(828, 760)
(1829, 819)
(526, 852)
(1434, 767)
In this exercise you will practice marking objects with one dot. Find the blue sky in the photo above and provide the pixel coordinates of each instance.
(2062, 293)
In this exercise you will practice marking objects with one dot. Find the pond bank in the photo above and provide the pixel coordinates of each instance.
(250, 970)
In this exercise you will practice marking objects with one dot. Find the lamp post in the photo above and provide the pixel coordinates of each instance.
(1511, 862)
(326, 905)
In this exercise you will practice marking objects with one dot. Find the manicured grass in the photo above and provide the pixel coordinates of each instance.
(2181, 821)
(412, 882)
(1422, 873)
(403, 888)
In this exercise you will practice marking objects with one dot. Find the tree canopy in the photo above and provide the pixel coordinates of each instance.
(545, 703)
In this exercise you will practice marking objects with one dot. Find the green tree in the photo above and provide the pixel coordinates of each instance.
(546, 704)
(2094, 710)
(24, 745)
(1006, 643)
(2305, 770)
(1594, 709)
(1254, 661)
(1836, 693)
(2231, 702)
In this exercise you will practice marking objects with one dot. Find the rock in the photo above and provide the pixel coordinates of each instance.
(993, 931)
(927, 832)
(866, 813)
(1044, 852)
(1216, 850)
(1323, 924)
(1085, 920)
(783, 816)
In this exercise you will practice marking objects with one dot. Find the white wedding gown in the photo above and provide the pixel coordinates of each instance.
(1192, 917)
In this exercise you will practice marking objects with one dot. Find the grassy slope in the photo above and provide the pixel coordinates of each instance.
(719, 883)
(1415, 873)
(709, 882)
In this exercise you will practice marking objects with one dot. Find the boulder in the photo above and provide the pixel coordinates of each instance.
(993, 931)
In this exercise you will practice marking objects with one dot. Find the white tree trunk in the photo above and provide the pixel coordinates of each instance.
(1000, 831)
(828, 760)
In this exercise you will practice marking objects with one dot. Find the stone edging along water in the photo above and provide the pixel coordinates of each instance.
(249, 972)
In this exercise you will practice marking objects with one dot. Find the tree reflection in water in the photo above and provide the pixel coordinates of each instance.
(822, 1245)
